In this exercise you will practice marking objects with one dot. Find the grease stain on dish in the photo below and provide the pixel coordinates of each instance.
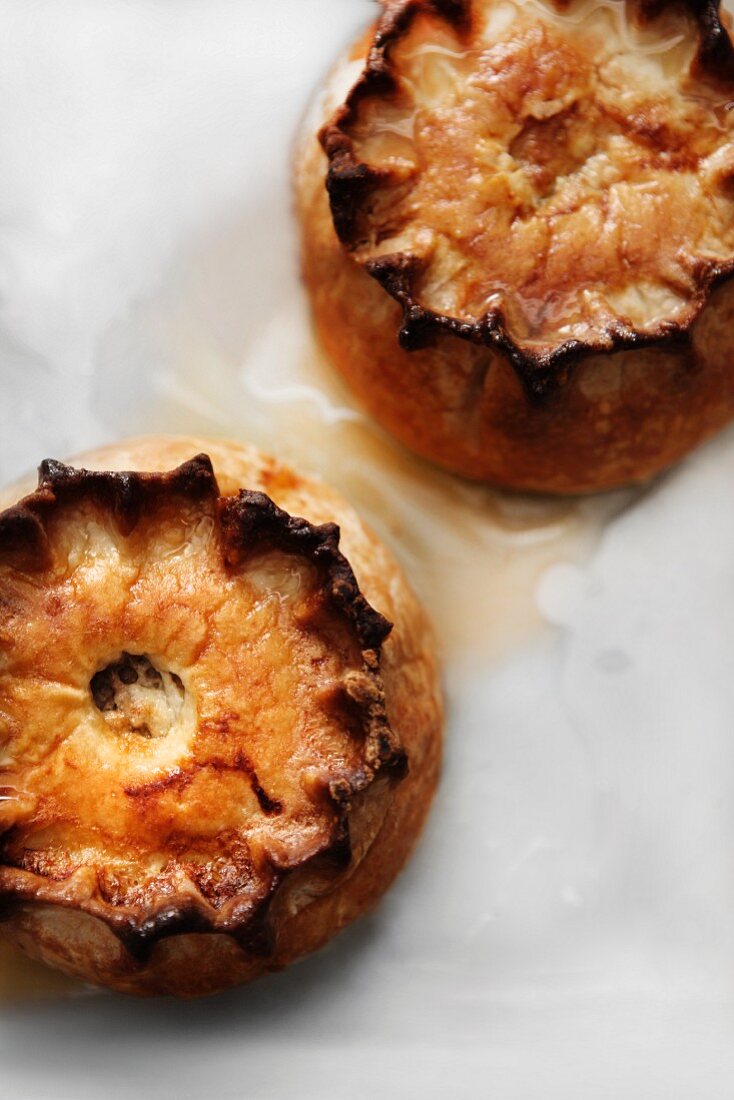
(474, 554)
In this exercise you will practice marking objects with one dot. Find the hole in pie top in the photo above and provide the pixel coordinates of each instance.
(136, 697)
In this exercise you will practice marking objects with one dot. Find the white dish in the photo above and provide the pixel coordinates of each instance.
(567, 926)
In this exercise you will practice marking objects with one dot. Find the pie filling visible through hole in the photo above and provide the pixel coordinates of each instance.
(137, 697)
(235, 720)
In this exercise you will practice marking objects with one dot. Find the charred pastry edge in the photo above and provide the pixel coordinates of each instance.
(126, 496)
(349, 182)
(249, 524)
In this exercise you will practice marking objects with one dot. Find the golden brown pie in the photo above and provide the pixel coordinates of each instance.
(518, 233)
(219, 736)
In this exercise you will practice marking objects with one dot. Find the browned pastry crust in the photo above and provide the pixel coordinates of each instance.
(214, 751)
(519, 236)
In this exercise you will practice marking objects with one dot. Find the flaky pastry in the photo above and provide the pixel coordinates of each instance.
(518, 233)
(214, 751)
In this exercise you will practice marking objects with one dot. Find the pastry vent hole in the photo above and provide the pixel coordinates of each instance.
(137, 697)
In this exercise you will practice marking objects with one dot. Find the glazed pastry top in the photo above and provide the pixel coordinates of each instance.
(191, 706)
(541, 175)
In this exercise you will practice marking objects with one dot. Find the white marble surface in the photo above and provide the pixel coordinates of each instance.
(566, 929)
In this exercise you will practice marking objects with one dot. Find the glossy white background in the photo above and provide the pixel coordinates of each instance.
(566, 929)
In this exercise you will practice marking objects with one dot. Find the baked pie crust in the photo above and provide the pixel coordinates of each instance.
(518, 233)
(214, 751)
